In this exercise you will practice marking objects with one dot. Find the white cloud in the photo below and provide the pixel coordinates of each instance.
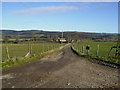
(46, 10)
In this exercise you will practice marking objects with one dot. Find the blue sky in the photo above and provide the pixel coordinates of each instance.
(56, 16)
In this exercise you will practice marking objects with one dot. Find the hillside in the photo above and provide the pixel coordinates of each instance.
(56, 34)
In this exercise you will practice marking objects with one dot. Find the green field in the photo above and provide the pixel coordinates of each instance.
(98, 50)
(103, 48)
(20, 50)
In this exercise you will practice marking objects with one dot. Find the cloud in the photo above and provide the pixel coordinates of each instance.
(46, 10)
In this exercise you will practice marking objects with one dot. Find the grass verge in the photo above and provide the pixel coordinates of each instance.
(114, 61)
(18, 61)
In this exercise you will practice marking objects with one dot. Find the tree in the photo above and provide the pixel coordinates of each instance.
(68, 37)
(16, 41)
(5, 39)
(76, 36)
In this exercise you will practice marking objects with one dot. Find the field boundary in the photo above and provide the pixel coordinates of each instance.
(31, 58)
(96, 60)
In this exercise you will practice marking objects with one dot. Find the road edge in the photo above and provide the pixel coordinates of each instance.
(33, 58)
(102, 62)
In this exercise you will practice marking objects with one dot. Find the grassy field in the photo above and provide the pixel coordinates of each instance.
(102, 47)
(20, 50)
(97, 50)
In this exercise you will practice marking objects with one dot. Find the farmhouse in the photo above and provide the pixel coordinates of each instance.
(62, 40)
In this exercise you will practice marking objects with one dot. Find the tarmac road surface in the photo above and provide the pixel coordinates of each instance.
(62, 69)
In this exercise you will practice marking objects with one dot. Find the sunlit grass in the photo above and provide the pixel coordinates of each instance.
(20, 50)
(103, 50)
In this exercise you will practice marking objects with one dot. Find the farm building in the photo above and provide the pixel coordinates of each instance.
(62, 40)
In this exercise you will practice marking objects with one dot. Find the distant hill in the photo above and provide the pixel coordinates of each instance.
(25, 32)
(55, 34)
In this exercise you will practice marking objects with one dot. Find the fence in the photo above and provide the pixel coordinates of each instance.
(96, 48)
(24, 50)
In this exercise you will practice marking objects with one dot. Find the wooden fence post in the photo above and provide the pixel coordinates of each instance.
(80, 49)
(83, 49)
(28, 46)
(43, 48)
(30, 49)
(7, 51)
(87, 52)
(47, 47)
(97, 49)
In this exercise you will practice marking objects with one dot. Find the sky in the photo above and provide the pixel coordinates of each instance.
(100, 17)
(60, 0)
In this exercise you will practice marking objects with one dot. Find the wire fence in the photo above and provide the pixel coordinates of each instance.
(100, 49)
(24, 50)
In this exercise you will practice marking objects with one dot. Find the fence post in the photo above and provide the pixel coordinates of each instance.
(78, 48)
(47, 47)
(83, 49)
(30, 49)
(7, 51)
(43, 48)
(88, 52)
(53, 46)
(28, 46)
(97, 49)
